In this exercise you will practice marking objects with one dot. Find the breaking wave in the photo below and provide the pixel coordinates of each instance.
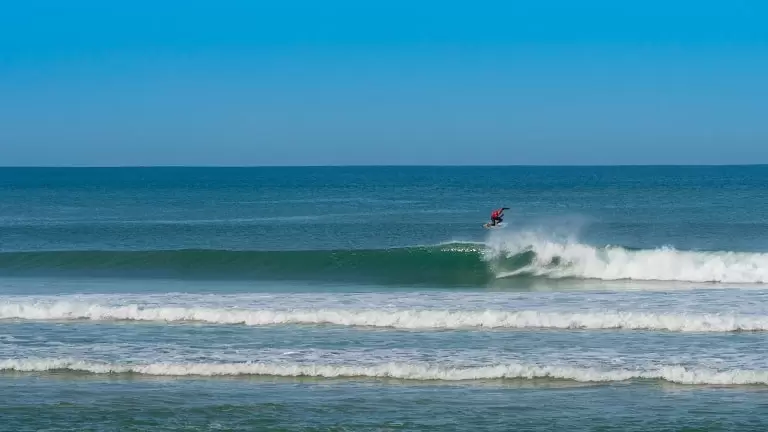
(571, 259)
(398, 319)
(405, 371)
(471, 264)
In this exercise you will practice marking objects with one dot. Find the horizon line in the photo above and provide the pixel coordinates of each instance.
(386, 166)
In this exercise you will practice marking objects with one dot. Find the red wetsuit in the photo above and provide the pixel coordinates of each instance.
(496, 216)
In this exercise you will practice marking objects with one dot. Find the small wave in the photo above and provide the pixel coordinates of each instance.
(397, 319)
(405, 371)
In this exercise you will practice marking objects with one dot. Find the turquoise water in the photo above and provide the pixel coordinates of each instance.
(617, 298)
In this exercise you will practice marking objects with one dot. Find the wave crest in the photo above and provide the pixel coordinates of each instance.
(405, 371)
(567, 258)
(502, 257)
(398, 319)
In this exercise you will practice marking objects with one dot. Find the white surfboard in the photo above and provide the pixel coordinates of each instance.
(497, 226)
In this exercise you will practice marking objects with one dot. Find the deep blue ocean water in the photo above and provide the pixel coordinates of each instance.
(371, 298)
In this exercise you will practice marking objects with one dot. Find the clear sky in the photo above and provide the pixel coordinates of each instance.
(383, 82)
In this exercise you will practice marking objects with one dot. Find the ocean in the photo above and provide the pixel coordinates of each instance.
(372, 299)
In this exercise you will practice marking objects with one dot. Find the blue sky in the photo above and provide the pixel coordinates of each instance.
(383, 82)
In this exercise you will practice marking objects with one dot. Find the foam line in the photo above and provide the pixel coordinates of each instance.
(402, 318)
(406, 371)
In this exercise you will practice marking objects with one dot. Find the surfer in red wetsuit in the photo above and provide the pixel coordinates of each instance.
(497, 216)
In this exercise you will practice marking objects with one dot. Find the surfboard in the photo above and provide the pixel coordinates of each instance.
(497, 226)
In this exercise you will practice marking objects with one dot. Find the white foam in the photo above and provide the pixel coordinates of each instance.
(578, 260)
(407, 371)
(393, 318)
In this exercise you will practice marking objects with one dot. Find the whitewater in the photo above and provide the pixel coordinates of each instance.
(419, 372)
(566, 257)
(397, 319)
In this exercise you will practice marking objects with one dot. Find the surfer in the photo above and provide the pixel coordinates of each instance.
(497, 216)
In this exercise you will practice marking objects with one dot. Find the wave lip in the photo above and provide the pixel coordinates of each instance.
(398, 319)
(405, 371)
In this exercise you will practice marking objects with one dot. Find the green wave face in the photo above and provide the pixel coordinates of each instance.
(456, 264)
(452, 264)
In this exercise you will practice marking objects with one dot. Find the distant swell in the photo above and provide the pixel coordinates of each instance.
(399, 319)
(460, 264)
(405, 371)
